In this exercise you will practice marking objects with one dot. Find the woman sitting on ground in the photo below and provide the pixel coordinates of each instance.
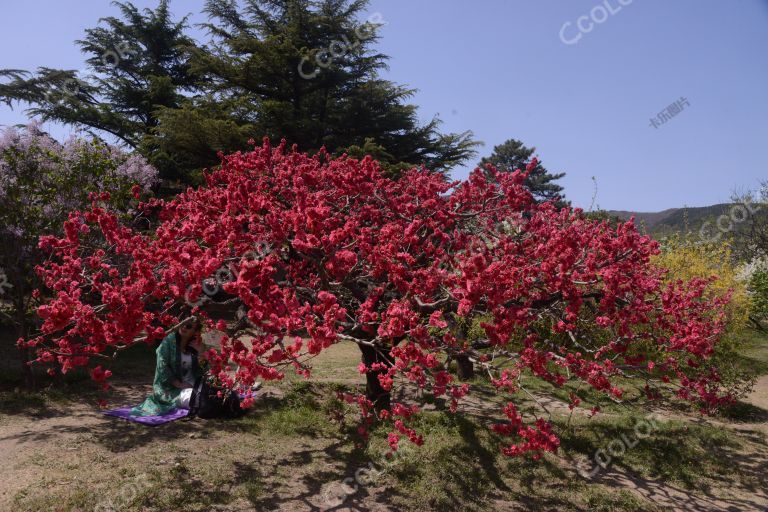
(176, 372)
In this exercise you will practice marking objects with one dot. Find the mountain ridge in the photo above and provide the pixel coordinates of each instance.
(675, 220)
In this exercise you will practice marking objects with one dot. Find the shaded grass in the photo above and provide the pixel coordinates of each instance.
(744, 412)
(21, 402)
(459, 467)
(692, 455)
(181, 488)
(289, 441)
(752, 355)
(302, 411)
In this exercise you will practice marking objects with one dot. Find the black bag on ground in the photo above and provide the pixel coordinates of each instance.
(206, 403)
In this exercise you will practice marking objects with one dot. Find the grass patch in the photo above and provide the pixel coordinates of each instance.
(685, 453)
(744, 412)
(303, 411)
(460, 467)
(454, 463)
(752, 355)
(284, 453)
(22, 402)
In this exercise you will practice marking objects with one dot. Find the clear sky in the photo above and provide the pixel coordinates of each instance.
(501, 68)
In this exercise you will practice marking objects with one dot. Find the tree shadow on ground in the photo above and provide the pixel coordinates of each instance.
(679, 466)
(743, 412)
(345, 481)
(671, 497)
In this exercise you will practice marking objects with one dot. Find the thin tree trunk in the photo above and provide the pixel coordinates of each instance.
(374, 391)
(22, 331)
(464, 367)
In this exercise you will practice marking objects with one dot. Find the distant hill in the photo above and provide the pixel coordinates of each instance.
(677, 220)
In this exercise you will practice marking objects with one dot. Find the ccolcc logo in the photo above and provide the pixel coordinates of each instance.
(586, 23)
(213, 285)
(340, 48)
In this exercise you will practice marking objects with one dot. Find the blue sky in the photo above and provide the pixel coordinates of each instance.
(501, 69)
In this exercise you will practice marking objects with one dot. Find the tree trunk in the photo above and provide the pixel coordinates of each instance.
(373, 390)
(22, 331)
(464, 367)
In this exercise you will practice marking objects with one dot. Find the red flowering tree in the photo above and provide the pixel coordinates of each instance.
(313, 251)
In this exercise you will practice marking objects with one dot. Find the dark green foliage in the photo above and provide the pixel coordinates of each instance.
(512, 155)
(137, 64)
(708, 223)
(261, 73)
(180, 102)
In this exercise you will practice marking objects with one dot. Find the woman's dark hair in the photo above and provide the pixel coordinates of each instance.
(193, 321)
(197, 325)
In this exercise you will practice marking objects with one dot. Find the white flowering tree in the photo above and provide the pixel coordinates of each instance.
(41, 181)
(750, 240)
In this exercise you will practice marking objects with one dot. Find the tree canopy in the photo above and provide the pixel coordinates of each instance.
(41, 182)
(136, 65)
(511, 155)
(311, 251)
(301, 70)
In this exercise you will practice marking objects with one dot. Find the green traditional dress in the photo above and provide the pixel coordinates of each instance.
(165, 396)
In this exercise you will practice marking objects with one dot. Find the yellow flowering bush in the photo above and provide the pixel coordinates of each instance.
(687, 258)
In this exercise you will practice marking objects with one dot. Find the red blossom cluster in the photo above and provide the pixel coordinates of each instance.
(401, 267)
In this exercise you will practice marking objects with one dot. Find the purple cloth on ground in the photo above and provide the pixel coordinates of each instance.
(125, 413)
(176, 414)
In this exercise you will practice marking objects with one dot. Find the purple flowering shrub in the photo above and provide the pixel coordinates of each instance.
(41, 181)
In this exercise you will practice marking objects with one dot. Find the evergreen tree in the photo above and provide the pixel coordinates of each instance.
(512, 155)
(303, 71)
(136, 64)
(296, 69)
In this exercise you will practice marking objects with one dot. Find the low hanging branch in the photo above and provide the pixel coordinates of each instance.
(315, 251)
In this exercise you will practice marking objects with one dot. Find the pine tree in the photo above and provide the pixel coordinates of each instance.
(136, 64)
(300, 70)
(512, 155)
(304, 71)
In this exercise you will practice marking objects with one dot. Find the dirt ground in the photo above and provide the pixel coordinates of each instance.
(60, 454)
